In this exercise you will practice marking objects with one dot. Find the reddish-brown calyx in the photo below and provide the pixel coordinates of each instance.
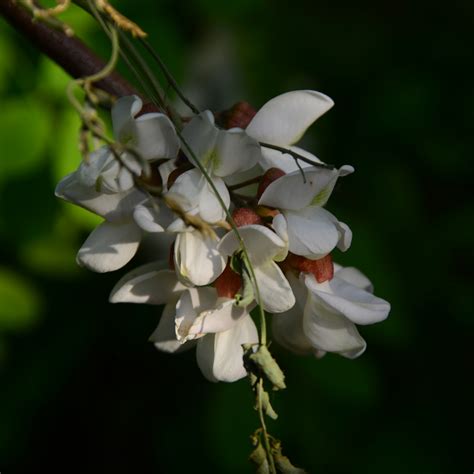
(272, 174)
(245, 216)
(228, 283)
(322, 269)
(239, 115)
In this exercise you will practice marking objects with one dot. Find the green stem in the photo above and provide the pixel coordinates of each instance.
(266, 439)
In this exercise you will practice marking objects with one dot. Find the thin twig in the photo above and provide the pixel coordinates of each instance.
(169, 77)
(297, 156)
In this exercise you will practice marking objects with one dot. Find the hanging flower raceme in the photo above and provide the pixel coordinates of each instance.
(274, 252)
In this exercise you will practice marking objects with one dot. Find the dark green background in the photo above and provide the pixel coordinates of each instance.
(81, 389)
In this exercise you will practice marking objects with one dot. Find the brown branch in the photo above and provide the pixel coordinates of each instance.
(68, 52)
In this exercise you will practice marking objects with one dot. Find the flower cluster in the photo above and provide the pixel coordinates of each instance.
(241, 210)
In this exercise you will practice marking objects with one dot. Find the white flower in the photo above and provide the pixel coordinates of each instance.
(310, 230)
(282, 121)
(264, 247)
(151, 135)
(222, 153)
(106, 188)
(326, 314)
(219, 327)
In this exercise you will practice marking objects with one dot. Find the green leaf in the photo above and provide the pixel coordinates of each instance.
(20, 302)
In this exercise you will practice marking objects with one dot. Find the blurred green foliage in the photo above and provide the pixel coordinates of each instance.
(81, 390)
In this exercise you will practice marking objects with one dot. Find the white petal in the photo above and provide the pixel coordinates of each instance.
(284, 119)
(90, 170)
(221, 317)
(200, 135)
(261, 243)
(194, 195)
(220, 355)
(197, 258)
(154, 136)
(345, 236)
(274, 288)
(123, 113)
(293, 192)
(186, 190)
(311, 232)
(151, 284)
(147, 218)
(276, 159)
(113, 207)
(354, 277)
(164, 336)
(339, 297)
(331, 332)
(109, 247)
(165, 169)
(235, 152)
(191, 303)
(210, 209)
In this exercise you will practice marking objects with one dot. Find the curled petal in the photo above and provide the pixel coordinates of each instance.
(331, 332)
(339, 297)
(147, 218)
(151, 284)
(293, 192)
(284, 119)
(354, 277)
(109, 247)
(220, 355)
(164, 336)
(197, 258)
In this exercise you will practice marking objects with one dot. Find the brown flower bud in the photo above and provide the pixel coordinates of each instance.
(272, 174)
(245, 216)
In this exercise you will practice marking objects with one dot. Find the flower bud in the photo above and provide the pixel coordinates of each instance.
(272, 174)
(245, 216)
(322, 269)
(239, 115)
(228, 283)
